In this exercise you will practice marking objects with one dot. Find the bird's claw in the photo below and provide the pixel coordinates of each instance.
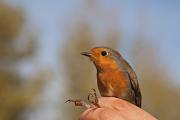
(78, 103)
(92, 97)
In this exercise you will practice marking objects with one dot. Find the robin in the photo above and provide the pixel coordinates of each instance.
(115, 77)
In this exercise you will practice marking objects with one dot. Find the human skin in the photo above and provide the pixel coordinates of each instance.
(112, 108)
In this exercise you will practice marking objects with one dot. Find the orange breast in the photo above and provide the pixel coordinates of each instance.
(113, 83)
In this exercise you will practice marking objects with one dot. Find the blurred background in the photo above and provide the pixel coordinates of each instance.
(41, 66)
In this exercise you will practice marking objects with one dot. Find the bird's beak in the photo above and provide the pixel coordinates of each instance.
(86, 54)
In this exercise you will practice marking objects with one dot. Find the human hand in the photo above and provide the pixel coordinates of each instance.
(112, 108)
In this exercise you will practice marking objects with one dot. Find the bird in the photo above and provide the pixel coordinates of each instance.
(115, 77)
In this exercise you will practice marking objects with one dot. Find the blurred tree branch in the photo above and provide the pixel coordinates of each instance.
(16, 93)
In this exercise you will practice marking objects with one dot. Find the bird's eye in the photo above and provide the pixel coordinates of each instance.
(104, 53)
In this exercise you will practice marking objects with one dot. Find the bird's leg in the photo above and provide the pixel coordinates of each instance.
(79, 103)
(92, 97)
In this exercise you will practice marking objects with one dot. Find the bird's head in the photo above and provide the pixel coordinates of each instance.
(104, 58)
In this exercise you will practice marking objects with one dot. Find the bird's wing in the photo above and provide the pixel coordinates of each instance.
(135, 87)
(134, 83)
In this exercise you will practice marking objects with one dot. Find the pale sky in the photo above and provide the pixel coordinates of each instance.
(48, 18)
